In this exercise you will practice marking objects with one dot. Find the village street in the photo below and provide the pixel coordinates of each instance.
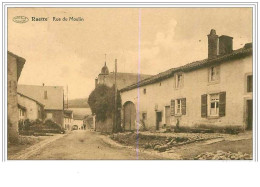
(84, 145)
(88, 145)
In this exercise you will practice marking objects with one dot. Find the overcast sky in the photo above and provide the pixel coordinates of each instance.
(72, 53)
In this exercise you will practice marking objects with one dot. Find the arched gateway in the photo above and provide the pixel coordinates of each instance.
(129, 116)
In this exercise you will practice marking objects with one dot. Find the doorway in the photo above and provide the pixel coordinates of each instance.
(167, 115)
(249, 105)
(129, 116)
(158, 119)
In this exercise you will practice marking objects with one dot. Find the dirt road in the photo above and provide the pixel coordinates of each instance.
(85, 145)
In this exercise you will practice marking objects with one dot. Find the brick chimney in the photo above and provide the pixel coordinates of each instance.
(225, 44)
(212, 44)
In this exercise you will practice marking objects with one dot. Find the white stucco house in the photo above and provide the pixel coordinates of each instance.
(214, 91)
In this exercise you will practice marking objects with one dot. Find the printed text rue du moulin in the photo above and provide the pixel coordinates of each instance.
(58, 19)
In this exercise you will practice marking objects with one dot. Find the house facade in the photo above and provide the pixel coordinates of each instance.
(68, 119)
(50, 96)
(14, 68)
(216, 91)
(29, 108)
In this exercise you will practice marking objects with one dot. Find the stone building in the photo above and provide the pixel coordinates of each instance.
(50, 96)
(29, 108)
(14, 68)
(216, 91)
(123, 79)
(108, 79)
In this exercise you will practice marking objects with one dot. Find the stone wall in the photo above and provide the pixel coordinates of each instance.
(13, 115)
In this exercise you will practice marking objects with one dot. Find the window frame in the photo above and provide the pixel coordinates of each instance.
(178, 106)
(216, 103)
(179, 83)
(217, 74)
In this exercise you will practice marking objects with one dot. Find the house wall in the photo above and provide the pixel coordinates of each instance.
(33, 110)
(12, 107)
(232, 81)
(57, 116)
(68, 123)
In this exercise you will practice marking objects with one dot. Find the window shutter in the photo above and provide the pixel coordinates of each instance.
(222, 104)
(204, 107)
(172, 107)
(183, 106)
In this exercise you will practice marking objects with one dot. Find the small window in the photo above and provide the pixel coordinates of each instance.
(45, 94)
(178, 106)
(214, 73)
(214, 105)
(250, 83)
(179, 81)
(144, 91)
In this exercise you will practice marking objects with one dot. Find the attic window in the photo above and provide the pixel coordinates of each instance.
(144, 91)
(45, 94)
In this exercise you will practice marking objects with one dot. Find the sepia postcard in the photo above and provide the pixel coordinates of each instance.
(130, 83)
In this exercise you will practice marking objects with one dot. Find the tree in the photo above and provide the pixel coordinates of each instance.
(102, 104)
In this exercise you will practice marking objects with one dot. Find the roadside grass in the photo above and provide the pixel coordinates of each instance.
(24, 142)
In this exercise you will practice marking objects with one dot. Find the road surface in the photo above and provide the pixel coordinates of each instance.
(85, 145)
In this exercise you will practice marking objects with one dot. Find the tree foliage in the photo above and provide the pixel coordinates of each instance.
(102, 102)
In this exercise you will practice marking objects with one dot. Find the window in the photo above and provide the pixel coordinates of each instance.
(214, 73)
(178, 106)
(45, 94)
(179, 81)
(250, 83)
(144, 90)
(214, 105)
(49, 115)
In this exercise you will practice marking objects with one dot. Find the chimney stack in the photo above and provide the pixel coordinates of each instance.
(225, 45)
(212, 44)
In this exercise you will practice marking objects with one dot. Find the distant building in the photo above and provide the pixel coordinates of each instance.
(108, 79)
(14, 68)
(50, 96)
(216, 91)
(79, 121)
(68, 119)
(30, 108)
(123, 79)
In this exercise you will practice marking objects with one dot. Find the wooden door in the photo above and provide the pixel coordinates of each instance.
(167, 115)
(129, 116)
(249, 114)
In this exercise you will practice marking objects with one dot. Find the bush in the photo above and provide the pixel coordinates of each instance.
(102, 104)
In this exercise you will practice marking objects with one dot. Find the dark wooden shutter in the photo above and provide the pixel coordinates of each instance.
(183, 106)
(172, 107)
(222, 104)
(204, 107)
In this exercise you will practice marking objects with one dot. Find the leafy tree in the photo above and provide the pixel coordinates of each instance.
(102, 104)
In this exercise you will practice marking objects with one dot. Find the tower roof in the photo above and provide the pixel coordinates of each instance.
(105, 70)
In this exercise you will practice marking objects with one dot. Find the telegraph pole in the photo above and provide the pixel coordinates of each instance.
(115, 114)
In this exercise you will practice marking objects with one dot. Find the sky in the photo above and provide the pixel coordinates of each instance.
(60, 53)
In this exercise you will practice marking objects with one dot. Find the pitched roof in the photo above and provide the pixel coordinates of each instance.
(30, 99)
(240, 53)
(20, 63)
(54, 99)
